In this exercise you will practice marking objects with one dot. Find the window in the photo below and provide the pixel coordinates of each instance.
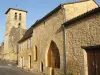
(44, 23)
(22, 46)
(20, 16)
(15, 16)
(19, 47)
(30, 42)
(27, 44)
(12, 38)
(35, 53)
(25, 47)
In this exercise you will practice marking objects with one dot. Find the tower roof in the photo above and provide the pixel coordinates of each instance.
(15, 9)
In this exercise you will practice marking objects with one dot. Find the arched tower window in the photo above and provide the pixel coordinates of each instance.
(19, 25)
(15, 16)
(20, 16)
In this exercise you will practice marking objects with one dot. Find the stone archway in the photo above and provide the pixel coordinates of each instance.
(53, 57)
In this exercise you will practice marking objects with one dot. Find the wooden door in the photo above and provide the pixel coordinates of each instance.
(97, 57)
(93, 62)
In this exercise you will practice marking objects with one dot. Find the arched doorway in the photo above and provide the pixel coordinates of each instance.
(53, 57)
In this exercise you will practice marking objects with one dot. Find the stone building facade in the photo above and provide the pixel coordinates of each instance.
(43, 46)
(82, 36)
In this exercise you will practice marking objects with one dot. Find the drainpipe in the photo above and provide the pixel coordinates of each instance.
(64, 50)
(64, 42)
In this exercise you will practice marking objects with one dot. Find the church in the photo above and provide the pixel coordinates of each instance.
(65, 41)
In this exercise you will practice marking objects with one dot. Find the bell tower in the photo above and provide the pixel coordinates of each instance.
(15, 18)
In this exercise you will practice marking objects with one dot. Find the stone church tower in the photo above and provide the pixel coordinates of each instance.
(15, 28)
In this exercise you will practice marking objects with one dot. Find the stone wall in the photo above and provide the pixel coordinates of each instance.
(82, 33)
(14, 36)
(78, 8)
(25, 52)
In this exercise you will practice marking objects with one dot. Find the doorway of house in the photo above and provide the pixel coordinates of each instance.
(93, 58)
(41, 66)
(53, 57)
(29, 61)
(21, 62)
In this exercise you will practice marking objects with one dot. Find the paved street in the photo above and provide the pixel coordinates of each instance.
(7, 68)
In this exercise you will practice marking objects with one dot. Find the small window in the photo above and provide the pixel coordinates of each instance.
(20, 16)
(19, 47)
(15, 16)
(44, 23)
(22, 46)
(35, 53)
(31, 42)
(27, 44)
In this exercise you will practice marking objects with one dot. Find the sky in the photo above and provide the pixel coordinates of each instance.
(36, 10)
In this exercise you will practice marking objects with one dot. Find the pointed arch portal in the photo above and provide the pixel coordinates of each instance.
(53, 56)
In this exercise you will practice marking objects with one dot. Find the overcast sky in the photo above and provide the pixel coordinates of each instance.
(36, 9)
